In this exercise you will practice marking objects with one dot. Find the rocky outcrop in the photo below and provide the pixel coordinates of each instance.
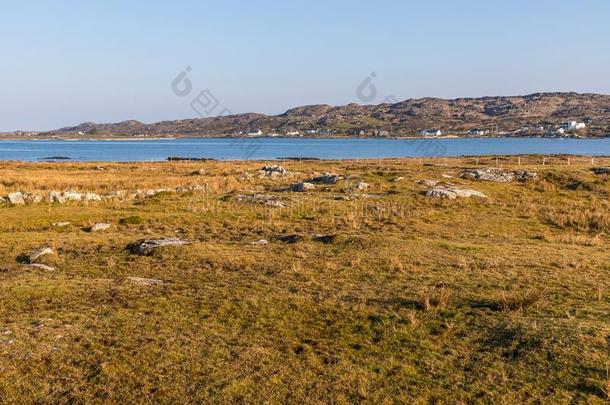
(273, 171)
(452, 193)
(16, 199)
(148, 246)
(498, 175)
(39, 254)
(601, 170)
(99, 227)
(327, 179)
(56, 197)
(302, 187)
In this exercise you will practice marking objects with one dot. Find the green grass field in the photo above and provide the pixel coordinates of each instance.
(408, 299)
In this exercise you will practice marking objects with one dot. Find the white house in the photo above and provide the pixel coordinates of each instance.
(293, 133)
(430, 132)
(478, 132)
(258, 132)
(573, 126)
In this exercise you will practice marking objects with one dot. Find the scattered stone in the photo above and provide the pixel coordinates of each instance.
(326, 239)
(265, 199)
(92, 197)
(601, 170)
(362, 186)
(72, 196)
(260, 242)
(302, 187)
(275, 170)
(498, 175)
(146, 247)
(56, 197)
(452, 193)
(40, 253)
(16, 199)
(290, 239)
(100, 168)
(33, 198)
(199, 172)
(428, 183)
(397, 179)
(60, 224)
(42, 267)
(148, 282)
(328, 179)
(100, 227)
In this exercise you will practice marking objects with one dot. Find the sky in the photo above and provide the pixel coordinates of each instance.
(64, 62)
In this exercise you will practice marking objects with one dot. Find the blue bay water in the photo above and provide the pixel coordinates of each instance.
(274, 148)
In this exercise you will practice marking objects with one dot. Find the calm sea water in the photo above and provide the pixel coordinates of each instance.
(274, 148)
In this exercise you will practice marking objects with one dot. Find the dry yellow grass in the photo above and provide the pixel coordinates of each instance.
(407, 299)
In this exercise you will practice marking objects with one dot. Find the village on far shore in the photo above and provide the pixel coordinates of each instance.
(569, 129)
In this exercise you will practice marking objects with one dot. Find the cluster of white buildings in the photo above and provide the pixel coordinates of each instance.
(431, 132)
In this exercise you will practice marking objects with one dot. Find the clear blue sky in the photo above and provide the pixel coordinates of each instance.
(67, 61)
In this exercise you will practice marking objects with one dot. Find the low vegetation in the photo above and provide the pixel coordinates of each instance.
(340, 294)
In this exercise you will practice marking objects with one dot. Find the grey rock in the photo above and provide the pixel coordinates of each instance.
(498, 175)
(362, 186)
(452, 193)
(42, 267)
(100, 227)
(40, 253)
(302, 187)
(56, 197)
(601, 170)
(72, 196)
(146, 247)
(16, 199)
(92, 197)
(290, 239)
(274, 170)
(428, 183)
(260, 242)
(33, 198)
(328, 179)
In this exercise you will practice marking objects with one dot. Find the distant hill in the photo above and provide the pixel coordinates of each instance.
(505, 114)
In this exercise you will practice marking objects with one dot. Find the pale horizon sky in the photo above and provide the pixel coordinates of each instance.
(67, 61)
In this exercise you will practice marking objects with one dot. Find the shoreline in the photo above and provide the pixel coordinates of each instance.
(9, 138)
(311, 160)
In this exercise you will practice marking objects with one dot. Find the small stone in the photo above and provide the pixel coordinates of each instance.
(56, 197)
(33, 258)
(92, 197)
(16, 199)
(100, 227)
(428, 183)
(362, 186)
(42, 267)
(61, 224)
(72, 196)
(452, 193)
(328, 179)
(146, 247)
(260, 242)
(302, 187)
(290, 239)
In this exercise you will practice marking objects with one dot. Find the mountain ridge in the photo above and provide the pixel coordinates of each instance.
(504, 113)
